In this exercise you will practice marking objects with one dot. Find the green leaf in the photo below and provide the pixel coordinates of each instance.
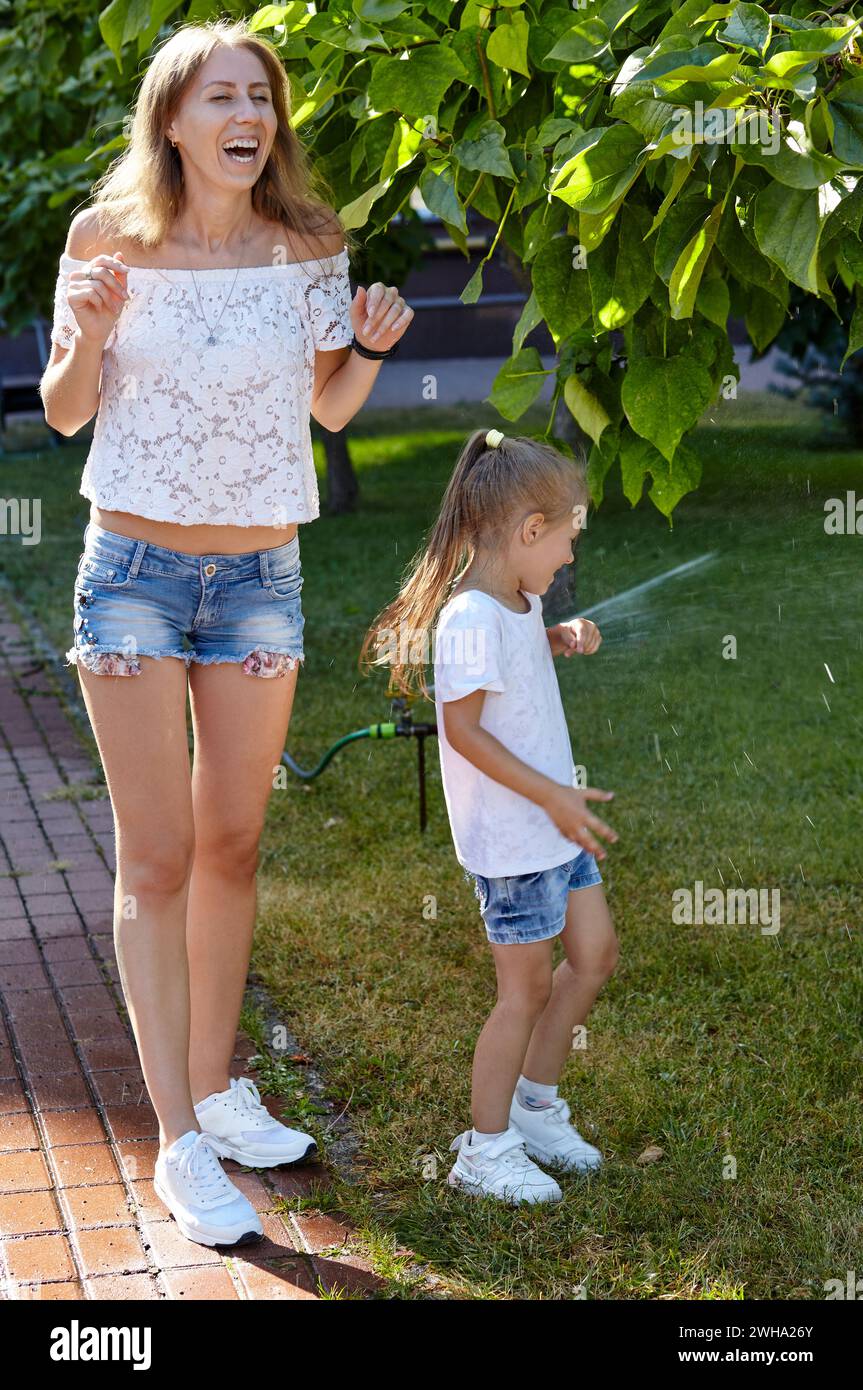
(621, 271)
(586, 409)
(708, 62)
(600, 459)
(846, 108)
(635, 456)
(593, 227)
(583, 41)
(764, 317)
(788, 227)
(562, 286)
(438, 192)
(483, 148)
(682, 170)
(507, 43)
(607, 161)
(663, 397)
(615, 12)
(681, 224)
(745, 261)
(687, 273)
(785, 159)
(529, 319)
(643, 111)
(749, 27)
(121, 22)
(673, 481)
(852, 250)
(683, 18)
(599, 463)
(714, 301)
(356, 214)
(518, 383)
(855, 332)
(806, 46)
(415, 86)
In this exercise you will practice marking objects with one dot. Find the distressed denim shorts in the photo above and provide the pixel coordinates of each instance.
(532, 907)
(135, 599)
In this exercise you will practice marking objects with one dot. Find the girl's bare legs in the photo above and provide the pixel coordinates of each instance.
(591, 954)
(240, 724)
(140, 727)
(524, 982)
(529, 1031)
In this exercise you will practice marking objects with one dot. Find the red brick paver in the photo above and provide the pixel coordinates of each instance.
(78, 1216)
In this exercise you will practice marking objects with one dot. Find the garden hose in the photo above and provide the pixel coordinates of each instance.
(403, 727)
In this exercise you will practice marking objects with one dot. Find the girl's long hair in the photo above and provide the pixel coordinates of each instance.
(141, 193)
(489, 489)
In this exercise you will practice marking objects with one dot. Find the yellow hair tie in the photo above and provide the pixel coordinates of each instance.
(493, 438)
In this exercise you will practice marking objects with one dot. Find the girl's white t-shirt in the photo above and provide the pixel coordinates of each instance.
(479, 644)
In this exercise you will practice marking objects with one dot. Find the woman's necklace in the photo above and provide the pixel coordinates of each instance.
(211, 338)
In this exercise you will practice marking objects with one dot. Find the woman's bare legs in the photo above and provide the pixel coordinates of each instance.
(591, 954)
(140, 727)
(240, 724)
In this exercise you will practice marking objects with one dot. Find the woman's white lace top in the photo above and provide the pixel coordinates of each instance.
(193, 433)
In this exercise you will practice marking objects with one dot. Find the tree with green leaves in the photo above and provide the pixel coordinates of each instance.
(651, 169)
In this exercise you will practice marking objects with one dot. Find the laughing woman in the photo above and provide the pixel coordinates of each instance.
(203, 312)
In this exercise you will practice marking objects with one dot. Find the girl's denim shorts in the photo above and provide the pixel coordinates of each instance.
(135, 599)
(532, 907)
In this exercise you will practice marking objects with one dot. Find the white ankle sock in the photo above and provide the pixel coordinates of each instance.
(532, 1095)
(478, 1138)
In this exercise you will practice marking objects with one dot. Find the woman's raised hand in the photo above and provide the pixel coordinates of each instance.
(379, 316)
(96, 302)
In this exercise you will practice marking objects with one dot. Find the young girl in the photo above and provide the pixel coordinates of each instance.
(522, 828)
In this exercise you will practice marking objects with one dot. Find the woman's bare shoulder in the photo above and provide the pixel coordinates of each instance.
(90, 235)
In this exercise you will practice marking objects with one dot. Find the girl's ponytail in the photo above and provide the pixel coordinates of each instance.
(401, 633)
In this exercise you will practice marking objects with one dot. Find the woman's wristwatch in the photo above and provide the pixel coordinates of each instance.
(368, 352)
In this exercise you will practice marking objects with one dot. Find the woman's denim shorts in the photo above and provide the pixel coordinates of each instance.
(135, 599)
(532, 907)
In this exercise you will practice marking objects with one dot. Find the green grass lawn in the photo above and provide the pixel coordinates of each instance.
(736, 1053)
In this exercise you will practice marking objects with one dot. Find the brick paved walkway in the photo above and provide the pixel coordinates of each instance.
(78, 1216)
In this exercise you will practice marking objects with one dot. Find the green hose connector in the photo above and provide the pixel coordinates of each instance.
(382, 731)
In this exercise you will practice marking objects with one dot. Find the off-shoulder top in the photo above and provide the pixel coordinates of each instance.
(193, 433)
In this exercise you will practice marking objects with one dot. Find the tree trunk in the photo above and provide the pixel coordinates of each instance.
(342, 486)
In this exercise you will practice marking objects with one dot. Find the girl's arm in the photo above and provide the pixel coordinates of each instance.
(567, 806)
(581, 635)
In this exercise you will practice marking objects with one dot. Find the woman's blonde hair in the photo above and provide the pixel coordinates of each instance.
(488, 491)
(140, 195)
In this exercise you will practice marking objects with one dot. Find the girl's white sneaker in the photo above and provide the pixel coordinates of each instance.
(200, 1196)
(500, 1168)
(550, 1137)
(244, 1130)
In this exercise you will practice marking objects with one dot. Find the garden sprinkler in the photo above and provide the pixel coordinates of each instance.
(401, 726)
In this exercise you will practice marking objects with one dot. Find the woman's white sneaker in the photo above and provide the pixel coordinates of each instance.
(243, 1128)
(200, 1196)
(500, 1168)
(551, 1138)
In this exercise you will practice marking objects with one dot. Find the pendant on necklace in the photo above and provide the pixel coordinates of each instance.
(211, 341)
